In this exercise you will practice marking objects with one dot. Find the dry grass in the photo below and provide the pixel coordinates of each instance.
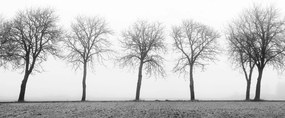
(144, 109)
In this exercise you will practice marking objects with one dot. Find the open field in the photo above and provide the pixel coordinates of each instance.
(144, 109)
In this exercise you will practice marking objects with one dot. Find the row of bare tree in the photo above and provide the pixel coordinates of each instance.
(256, 38)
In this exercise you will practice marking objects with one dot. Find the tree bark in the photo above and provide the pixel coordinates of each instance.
(23, 87)
(139, 82)
(26, 77)
(258, 84)
(192, 92)
(248, 83)
(84, 82)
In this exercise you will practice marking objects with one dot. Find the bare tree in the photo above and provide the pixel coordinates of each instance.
(35, 34)
(262, 31)
(143, 44)
(86, 42)
(197, 44)
(237, 54)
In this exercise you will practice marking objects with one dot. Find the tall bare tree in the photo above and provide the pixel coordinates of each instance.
(35, 34)
(237, 54)
(262, 31)
(143, 44)
(197, 44)
(86, 42)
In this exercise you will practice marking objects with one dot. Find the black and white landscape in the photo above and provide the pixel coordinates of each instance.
(134, 58)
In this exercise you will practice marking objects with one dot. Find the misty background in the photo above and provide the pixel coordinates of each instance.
(219, 81)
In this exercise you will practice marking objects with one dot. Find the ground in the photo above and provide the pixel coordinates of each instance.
(152, 109)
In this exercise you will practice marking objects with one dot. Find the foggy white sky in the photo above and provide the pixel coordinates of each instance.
(61, 82)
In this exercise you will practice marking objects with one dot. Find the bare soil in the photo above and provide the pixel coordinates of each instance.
(144, 109)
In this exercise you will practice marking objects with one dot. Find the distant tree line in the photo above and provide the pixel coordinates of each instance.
(256, 38)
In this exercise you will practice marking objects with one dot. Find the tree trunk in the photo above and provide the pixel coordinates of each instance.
(23, 87)
(248, 82)
(26, 77)
(192, 92)
(139, 82)
(84, 82)
(258, 84)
